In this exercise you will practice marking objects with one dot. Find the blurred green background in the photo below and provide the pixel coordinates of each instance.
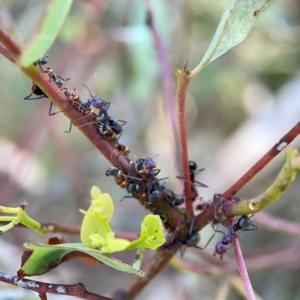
(237, 108)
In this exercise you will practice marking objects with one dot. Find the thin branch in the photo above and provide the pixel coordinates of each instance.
(182, 265)
(76, 290)
(14, 49)
(282, 182)
(242, 267)
(277, 148)
(7, 54)
(166, 75)
(157, 262)
(277, 224)
(183, 83)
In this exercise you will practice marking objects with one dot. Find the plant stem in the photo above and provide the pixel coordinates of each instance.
(9, 44)
(166, 76)
(277, 148)
(242, 268)
(183, 83)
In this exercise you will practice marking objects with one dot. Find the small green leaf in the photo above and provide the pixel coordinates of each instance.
(151, 236)
(46, 257)
(52, 23)
(235, 25)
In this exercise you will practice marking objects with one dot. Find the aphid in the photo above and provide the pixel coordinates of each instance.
(193, 173)
(42, 61)
(243, 224)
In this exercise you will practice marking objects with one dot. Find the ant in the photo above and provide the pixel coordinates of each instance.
(193, 173)
(36, 90)
(146, 168)
(243, 224)
(191, 241)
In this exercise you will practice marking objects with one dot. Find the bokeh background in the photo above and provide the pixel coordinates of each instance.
(238, 107)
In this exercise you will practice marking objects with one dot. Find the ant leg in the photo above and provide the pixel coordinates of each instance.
(52, 114)
(36, 98)
(182, 250)
(63, 78)
(216, 230)
(252, 229)
(123, 121)
(85, 124)
(126, 197)
(200, 184)
(70, 128)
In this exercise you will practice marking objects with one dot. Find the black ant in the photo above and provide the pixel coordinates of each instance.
(243, 224)
(193, 173)
(192, 240)
(146, 168)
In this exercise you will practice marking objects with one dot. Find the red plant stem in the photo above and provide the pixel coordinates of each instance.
(166, 75)
(9, 44)
(183, 83)
(7, 54)
(277, 224)
(76, 290)
(157, 262)
(242, 268)
(277, 148)
(43, 296)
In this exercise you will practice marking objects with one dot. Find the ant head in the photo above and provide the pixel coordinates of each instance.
(150, 163)
(192, 165)
(97, 102)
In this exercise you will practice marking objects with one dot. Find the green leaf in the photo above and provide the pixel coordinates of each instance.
(235, 25)
(151, 236)
(46, 257)
(54, 18)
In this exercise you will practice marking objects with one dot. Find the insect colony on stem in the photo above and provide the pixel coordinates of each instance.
(144, 184)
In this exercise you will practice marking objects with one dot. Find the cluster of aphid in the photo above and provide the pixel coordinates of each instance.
(145, 186)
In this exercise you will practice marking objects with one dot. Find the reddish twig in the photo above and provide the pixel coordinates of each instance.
(76, 290)
(14, 49)
(277, 148)
(157, 262)
(277, 224)
(242, 267)
(183, 83)
(166, 76)
(7, 54)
